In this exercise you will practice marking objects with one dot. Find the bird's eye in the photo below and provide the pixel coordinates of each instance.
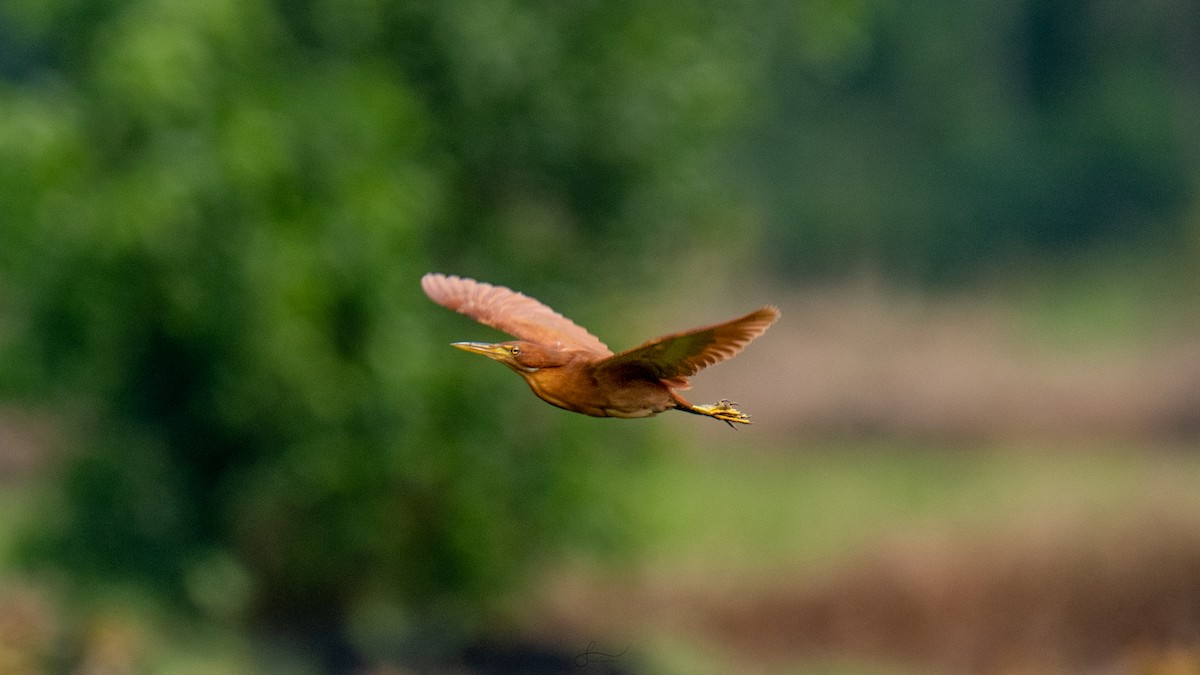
(514, 350)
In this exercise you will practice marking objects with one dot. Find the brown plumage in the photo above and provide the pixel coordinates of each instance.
(569, 367)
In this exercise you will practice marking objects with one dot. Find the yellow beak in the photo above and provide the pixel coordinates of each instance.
(489, 350)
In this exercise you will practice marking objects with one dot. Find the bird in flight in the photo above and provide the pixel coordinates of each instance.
(568, 367)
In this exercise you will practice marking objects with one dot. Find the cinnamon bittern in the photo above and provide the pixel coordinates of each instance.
(568, 367)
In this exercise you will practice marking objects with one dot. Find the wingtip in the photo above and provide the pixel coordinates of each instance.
(770, 313)
(438, 277)
(438, 286)
(430, 280)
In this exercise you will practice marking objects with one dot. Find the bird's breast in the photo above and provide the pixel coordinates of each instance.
(577, 390)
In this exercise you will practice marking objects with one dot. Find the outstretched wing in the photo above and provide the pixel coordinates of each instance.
(679, 355)
(507, 310)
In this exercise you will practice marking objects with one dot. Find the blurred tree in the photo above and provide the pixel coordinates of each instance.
(934, 141)
(216, 214)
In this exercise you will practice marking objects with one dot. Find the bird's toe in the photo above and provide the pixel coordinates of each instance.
(724, 411)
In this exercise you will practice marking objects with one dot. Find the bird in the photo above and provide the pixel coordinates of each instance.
(568, 367)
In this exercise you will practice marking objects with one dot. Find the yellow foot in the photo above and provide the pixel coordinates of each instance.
(723, 411)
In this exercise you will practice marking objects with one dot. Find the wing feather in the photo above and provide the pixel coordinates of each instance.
(675, 357)
(511, 312)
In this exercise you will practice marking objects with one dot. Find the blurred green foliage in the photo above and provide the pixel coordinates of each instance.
(943, 141)
(215, 218)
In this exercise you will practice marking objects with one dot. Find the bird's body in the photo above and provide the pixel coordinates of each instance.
(570, 368)
(579, 387)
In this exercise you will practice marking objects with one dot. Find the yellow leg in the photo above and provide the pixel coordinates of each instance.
(724, 411)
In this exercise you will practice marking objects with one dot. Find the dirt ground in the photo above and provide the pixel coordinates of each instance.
(860, 363)
(1073, 597)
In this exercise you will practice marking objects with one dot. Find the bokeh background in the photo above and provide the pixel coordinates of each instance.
(233, 438)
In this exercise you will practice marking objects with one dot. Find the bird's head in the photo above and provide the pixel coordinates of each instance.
(523, 357)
